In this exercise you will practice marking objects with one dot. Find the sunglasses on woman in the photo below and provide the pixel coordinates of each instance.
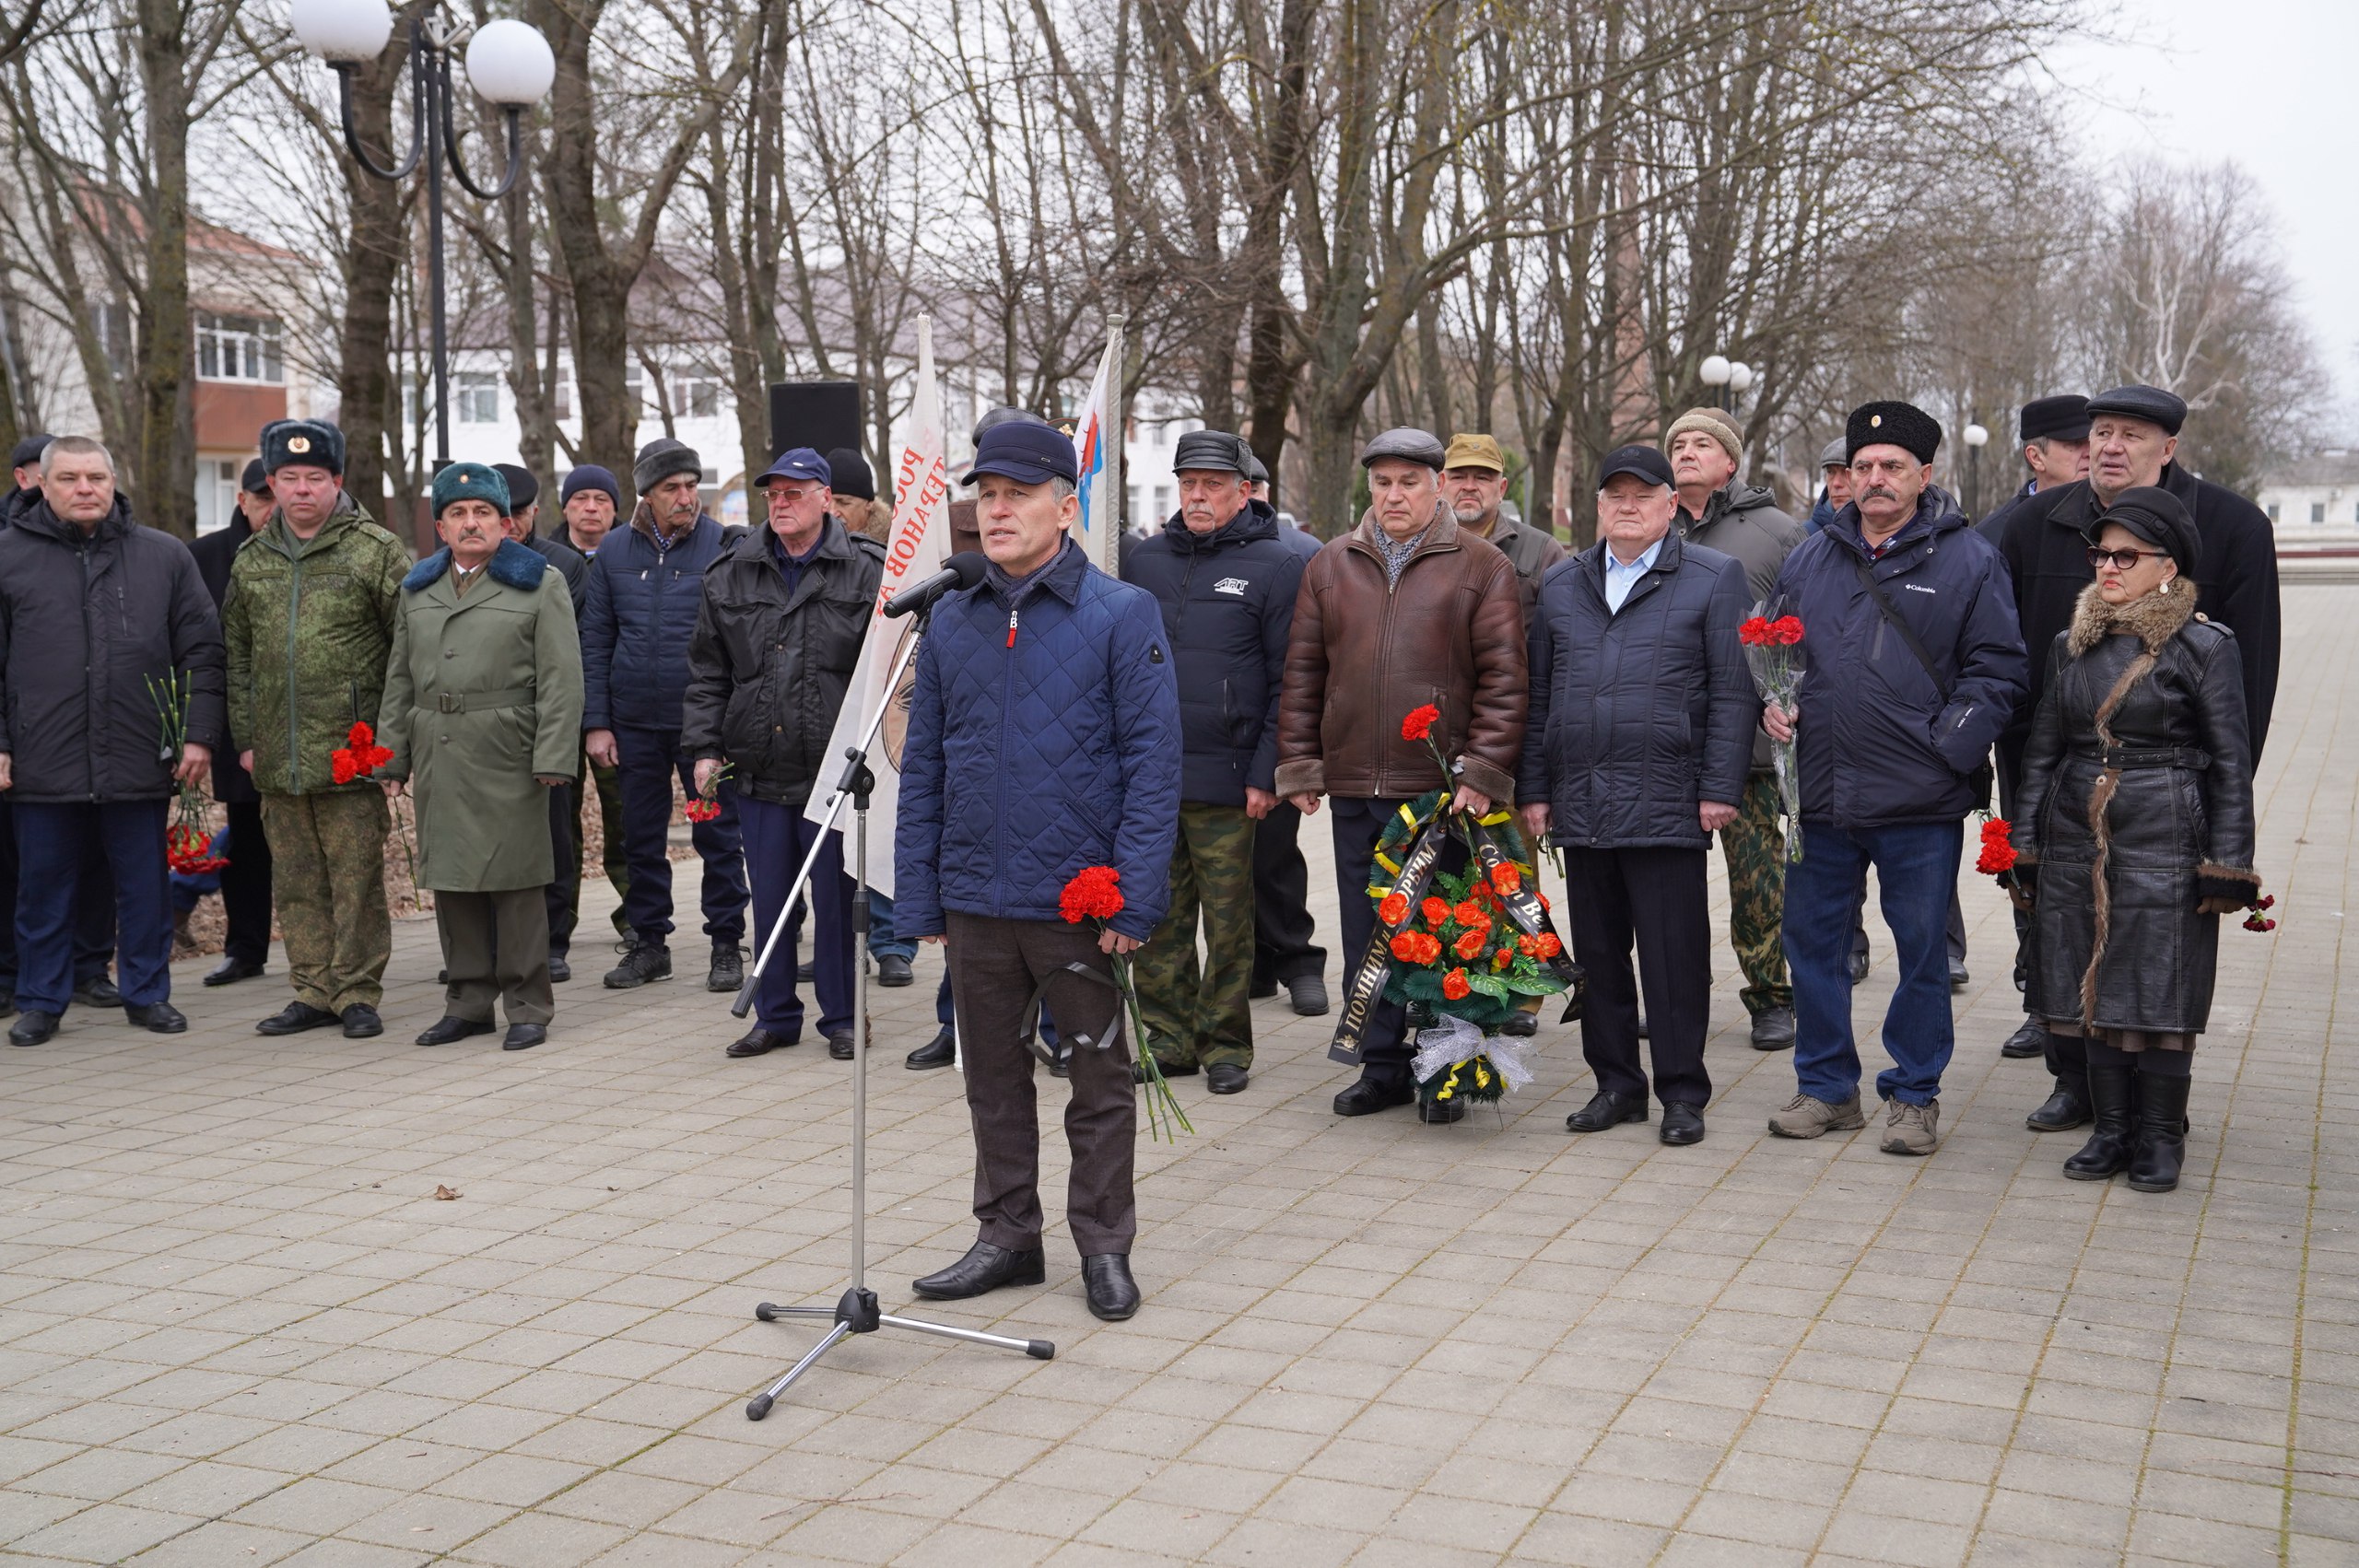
(2121, 560)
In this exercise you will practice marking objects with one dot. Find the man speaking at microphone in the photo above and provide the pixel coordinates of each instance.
(1043, 738)
(785, 608)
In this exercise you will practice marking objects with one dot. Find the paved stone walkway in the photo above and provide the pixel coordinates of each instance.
(236, 1326)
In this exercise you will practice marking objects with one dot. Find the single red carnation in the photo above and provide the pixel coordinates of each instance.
(1420, 722)
(1091, 895)
(1787, 629)
(1754, 631)
(342, 768)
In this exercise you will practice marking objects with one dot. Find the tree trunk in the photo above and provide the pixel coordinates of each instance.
(165, 477)
(377, 222)
(535, 422)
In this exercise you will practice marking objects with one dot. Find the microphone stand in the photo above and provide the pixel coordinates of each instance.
(856, 1310)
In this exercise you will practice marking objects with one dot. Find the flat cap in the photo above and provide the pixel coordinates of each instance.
(1892, 423)
(2061, 419)
(1475, 452)
(1213, 450)
(1253, 469)
(2153, 404)
(1030, 451)
(28, 451)
(1003, 415)
(522, 488)
(313, 443)
(1408, 444)
(849, 475)
(1642, 460)
(1834, 454)
(470, 482)
(797, 462)
(2160, 519)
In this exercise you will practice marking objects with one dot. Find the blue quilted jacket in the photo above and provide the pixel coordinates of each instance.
(637, 617)
(1025, 764)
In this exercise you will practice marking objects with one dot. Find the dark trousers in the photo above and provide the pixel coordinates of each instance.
(93, 909)
(1915, 868)
(1657, 898)
(245, 885)
(1385, 1051)
(563, 893)
(495, 948)
(52, 842)
(994, 964)
(1283, 929)
(777, 839)
(648, 760)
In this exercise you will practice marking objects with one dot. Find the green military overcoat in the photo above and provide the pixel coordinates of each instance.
(482, 698)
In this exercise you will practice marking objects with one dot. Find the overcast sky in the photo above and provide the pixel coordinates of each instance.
(2267, 83)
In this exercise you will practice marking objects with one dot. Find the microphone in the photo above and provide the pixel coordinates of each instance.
(962, 570)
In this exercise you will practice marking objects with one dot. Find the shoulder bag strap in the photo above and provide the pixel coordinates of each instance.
(1891, 612)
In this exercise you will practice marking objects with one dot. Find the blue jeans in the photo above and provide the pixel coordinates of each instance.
(882, 942)
(51, 843)
(777, 839)
(1916, 874)
(647, 761)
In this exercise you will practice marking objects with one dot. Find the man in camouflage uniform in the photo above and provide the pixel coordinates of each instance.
(1227, 584)
(309, 622)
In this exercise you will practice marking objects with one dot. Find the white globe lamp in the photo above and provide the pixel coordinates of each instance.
(510, 63)
(341, 32)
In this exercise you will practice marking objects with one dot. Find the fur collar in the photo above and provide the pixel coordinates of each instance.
(511, 565)
(2154, 620)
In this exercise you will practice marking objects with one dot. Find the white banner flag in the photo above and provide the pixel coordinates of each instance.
(920, 543)
(1098, 441)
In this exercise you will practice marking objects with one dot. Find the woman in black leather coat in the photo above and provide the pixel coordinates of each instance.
(2135, 832)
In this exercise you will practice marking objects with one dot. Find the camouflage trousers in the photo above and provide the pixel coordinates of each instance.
(1198, 1014)
(1754, 847)
(327, 876)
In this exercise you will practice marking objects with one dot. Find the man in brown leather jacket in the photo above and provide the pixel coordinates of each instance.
(1407, 609)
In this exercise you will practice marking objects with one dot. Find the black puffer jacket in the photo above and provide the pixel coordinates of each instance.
(1228, 601)
(2138, 780)
(214, 553)
(768, 668)
(1637, 714)
(86, 620)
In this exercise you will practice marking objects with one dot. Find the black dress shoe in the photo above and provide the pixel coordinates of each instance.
(229, 971)
(32, 1029)
(97, 992)
(1226, 1077)
(451, 1030)
(940, 1051)
(1642, 1027)
(361, 1022)
(985, 1267)
(1606, 1109)
(561, 971)
(2029, 1041)
(1773, 1029)
(1859, 967)
(839, 1045)
(1308, 994)
(1371, 1095)
(294, 1018)
(1957, 973)
(1113, 1294)
(1521, 1024)
(759, 1041)
(806, 972)
(157, 1018)
(1682, 1124)
(894, 970)
(524, 1036)
(1441, 1113)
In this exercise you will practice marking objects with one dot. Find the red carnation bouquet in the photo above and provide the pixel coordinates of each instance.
(705, 807)
(1773, 651)
(188, 843)
(1095, 894)
(359, 756)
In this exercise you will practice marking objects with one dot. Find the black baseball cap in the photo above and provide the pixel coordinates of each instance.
(1026, 453)
(256, 479)
(1643, 460)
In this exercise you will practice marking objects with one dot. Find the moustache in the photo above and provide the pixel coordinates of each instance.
(1880, 492)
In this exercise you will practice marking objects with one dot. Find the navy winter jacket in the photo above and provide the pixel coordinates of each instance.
(1228, 601)
(1878, 744)
(1026, 763)
(1639, 714)
(635, 622)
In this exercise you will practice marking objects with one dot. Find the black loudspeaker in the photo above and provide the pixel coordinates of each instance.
(822, 416)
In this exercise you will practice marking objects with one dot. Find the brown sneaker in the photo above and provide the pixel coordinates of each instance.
(1806, 1118)
(1911, 1129)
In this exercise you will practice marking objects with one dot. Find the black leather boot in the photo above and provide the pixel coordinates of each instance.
(2108, 1150)
(2068, 1106)
(2161, 1133)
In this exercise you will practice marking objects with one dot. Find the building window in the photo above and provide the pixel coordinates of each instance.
(238, 348)
(696, 394)
(474, 397)
(1163, 501)
(112, 319)
(2272, 512)
(217, 493)
(2318, 511)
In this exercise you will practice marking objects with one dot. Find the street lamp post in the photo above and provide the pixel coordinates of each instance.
(1977, 437)
(1728, 378)
(507, 63)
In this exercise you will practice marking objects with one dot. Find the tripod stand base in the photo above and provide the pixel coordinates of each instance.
(856, 1312)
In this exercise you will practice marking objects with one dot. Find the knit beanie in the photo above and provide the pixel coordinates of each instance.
(1713, 422)
(661, 458)
(589, 476)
